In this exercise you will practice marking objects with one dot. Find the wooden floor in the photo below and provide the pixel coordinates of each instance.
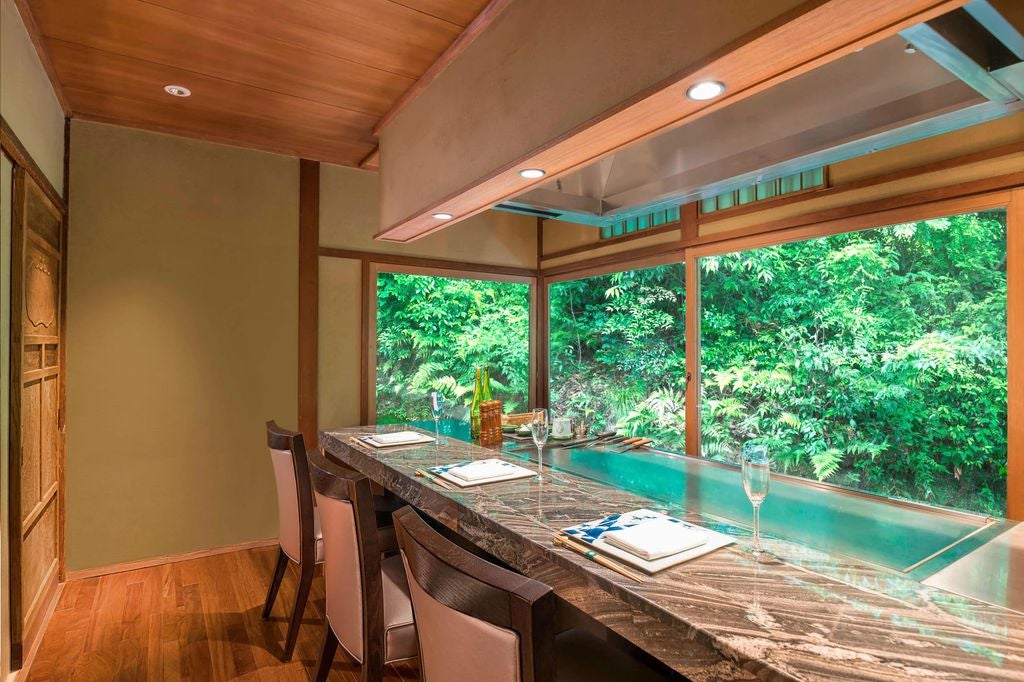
(192, 620)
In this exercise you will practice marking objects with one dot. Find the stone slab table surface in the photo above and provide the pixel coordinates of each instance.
(723, 616)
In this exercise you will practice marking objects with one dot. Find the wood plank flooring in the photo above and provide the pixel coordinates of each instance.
(191, 620)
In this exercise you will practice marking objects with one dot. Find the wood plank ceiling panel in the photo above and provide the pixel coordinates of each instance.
(307, 78)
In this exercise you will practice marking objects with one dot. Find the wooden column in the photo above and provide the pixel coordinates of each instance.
(1015, 345)
(309, 283)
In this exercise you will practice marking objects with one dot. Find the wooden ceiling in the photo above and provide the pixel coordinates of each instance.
(308, 78)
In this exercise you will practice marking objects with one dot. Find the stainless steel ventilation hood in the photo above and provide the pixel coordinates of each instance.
(965, 68)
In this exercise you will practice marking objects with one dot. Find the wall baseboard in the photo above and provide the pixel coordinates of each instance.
(168, 559)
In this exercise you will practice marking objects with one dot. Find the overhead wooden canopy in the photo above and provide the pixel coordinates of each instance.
(309, 78)
(556, 85)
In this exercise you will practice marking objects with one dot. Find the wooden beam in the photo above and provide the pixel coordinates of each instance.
(36, 36)
(487, 16)
(13, 147)
(62, 392)
(812, 35)
(372, 160)
(436, 263)
(1015, 356)
(309, 283)
(366, 299)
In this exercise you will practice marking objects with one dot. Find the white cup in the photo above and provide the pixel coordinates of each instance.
(561, 427)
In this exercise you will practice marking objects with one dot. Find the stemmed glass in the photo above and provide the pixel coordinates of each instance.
(540, 425)
(437, 411)
(756, 477)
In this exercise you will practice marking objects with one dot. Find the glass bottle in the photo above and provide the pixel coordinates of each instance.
(474, 408)
(487, 385)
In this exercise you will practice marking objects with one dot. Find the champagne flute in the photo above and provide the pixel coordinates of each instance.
(437, 410)
(540, 425)
(756, 477)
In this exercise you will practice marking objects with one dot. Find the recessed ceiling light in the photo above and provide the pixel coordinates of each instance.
(177, 90)
(705, 90)
(443, 216)
(910, 49)
(532, 173)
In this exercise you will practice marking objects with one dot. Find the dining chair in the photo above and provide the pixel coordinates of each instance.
(368, 607)
(299, 536)
(478, 621)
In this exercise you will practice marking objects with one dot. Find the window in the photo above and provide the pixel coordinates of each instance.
(764, 190)
(432, 332)
(875, 360)
(641, 222)
(617, 351)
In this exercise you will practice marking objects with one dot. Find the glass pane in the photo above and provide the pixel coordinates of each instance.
(746, 195)
(813, 178)
(617, 351)
(874, 360)
(672, 214)
(790, 183)
(709, 205)
(433, 332)
(606, 232)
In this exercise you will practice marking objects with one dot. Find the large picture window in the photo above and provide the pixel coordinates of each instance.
(617, 351)
(875, 360)
(432, 332)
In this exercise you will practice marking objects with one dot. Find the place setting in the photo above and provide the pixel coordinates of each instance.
(642, 539)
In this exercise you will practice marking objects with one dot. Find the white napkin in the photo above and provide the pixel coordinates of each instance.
(397, 437)
(655, 539)
(484, 468)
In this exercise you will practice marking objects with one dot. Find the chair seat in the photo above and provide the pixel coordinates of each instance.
(382, 508)
(582, 657)
(399, 626)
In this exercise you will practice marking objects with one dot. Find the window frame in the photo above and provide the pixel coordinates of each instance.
(373, 269)
(689, 251)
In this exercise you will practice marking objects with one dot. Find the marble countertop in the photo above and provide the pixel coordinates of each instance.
(813, 616)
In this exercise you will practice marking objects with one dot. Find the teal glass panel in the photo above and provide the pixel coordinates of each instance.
(790, 183)
(672, 214)
(726, 200)
(746, 195)
(606, 232)
(709, 205)
(813, 178)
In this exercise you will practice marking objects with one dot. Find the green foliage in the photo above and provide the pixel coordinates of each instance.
(875, 360)
(432, 332)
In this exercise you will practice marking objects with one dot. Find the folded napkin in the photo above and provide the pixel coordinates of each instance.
(479, 470)
(656, 538)
(397, 437)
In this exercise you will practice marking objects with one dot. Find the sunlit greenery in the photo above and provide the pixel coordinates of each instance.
(874, 360)
(432, 332)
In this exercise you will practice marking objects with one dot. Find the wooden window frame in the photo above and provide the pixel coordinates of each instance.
(873, 216)
(371, 269)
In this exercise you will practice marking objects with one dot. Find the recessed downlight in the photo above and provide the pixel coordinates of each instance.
(443, 216)
(177, 90)
(532, 173)
(705, 90)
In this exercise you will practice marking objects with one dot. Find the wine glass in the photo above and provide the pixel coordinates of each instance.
(540, 425)
(756, 477)
(437, 411)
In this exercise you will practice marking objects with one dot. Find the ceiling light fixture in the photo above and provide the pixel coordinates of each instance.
(532, 173)
(705, 90)
(443, 216)
(177, 90)
(910, 49)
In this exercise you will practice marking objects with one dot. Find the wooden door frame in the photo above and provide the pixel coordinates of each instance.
(25, 167)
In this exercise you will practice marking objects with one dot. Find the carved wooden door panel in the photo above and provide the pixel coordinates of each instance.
(37, 408)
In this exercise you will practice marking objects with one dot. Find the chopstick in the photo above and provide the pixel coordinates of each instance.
(631, 443)
(566, 542)
(434, 479)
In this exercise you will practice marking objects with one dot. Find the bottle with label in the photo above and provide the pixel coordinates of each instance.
(474, 408)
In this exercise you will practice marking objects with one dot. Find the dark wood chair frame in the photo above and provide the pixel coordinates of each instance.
(337, 481)
(463, 581)
(279, 438)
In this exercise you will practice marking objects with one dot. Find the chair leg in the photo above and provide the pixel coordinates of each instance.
(301, 596)
(323, 666)
(275, 584)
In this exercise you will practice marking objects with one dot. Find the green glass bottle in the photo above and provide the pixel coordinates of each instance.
(474, 408)
(487, 385)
